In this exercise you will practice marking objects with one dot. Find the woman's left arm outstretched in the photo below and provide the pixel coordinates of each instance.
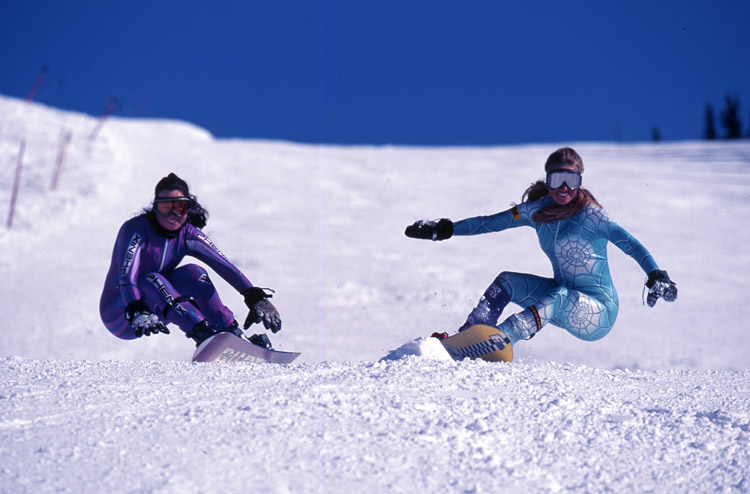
(658, 283)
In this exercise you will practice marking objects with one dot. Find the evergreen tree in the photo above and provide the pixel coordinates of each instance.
(655, 133)
(709, 131)
(730, 117)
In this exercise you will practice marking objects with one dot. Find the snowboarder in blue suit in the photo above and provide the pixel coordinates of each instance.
(573, 231)
(146, 287)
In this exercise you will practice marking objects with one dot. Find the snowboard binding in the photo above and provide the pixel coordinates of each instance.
(260, 339)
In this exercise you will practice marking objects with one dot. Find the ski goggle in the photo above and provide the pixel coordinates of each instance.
(557, 179)
(172, 205)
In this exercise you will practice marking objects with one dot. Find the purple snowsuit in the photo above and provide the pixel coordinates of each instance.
(144, 266)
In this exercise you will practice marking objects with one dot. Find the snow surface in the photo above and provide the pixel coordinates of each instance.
(662, 404)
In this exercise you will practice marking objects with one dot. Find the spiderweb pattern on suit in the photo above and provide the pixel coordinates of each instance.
(581, 297)
(576, 299)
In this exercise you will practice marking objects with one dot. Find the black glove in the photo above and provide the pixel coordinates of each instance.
(144, 322)
(660, 286)
(261, 309)
(441, 229)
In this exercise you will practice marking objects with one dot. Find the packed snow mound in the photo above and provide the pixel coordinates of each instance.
(429, 348)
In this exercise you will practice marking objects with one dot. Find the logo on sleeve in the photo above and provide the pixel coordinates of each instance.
(130, 253)
(204, 238)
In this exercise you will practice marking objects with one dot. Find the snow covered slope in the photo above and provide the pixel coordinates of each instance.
(412, 425)
(661, 404)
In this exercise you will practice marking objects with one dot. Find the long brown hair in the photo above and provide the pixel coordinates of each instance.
(561, 157)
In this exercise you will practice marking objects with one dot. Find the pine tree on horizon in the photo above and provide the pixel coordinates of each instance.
(709, 130)
(730, 117)
(655, 133)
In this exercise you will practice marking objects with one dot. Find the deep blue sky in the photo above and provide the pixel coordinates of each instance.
(389, 71)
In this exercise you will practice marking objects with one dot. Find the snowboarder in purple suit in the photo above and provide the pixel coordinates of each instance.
(145, 289)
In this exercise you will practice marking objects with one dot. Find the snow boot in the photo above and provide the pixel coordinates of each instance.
(201, 331)
(234, 328)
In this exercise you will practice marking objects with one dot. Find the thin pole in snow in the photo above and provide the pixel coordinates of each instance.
(16, 182)
(37, 83)
(62, 147)
(107, 112)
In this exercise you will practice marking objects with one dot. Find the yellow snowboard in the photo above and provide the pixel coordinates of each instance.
(480, 341)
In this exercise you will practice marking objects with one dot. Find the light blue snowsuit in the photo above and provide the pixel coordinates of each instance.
(581, 297)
